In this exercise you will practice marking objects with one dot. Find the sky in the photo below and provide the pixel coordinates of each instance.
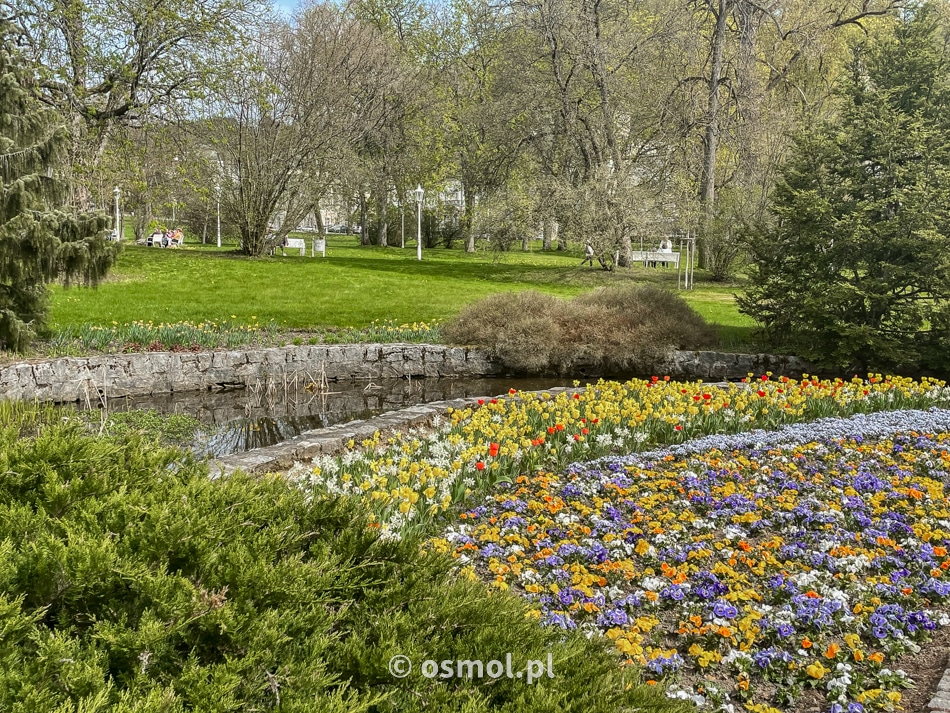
(285, 6)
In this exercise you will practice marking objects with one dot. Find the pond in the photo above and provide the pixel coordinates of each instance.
(240, 420)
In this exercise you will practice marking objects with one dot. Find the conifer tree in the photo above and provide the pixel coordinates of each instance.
(855, 271)
(40, 242)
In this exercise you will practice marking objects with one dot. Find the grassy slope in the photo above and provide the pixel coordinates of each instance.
(350, 288)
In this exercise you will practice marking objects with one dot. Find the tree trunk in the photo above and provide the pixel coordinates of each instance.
(708, 186)
(468, 220)
(383, 219)
(625, 254)
(364, 231)
(548, 230)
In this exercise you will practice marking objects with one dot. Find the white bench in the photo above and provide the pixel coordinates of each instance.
(655, 256)
(296, 243)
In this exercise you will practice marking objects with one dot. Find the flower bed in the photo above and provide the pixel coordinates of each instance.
(736, 565)
(741, 569)
(409, 479)
(140, 336)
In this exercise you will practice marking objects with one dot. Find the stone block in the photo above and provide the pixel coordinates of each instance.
(313, 354)
(392, 354)
(353, 353)
(335, 370)
(433, 354)
(478, 364)
(335, 353)
(369, 370)
(227, 359)
(44, 374)
(388, 370)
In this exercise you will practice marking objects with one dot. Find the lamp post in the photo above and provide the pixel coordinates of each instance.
(116, 192)
(217, 191)
(174, 196)
(420, 194)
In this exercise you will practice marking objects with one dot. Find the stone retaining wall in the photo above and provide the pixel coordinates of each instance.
(710, 366)
(73, 379)
(96, 378)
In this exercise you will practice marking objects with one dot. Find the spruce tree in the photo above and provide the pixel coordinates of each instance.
(40, 241)
(855, 271)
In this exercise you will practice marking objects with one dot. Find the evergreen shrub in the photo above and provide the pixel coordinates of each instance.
(130, 580)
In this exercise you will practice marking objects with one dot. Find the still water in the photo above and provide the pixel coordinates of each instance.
(240, 420)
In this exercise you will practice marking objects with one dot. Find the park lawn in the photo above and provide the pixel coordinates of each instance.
(716, 303)
(351, 287)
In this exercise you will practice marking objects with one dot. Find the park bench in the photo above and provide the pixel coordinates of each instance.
(648, 257)
(298, 243)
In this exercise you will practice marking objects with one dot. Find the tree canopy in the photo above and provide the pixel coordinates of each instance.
(856, 270)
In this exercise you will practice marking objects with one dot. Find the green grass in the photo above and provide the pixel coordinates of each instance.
(716, 303)
(351, 287)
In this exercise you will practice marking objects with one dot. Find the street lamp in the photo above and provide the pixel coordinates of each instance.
(174, 197)
(116, 192)
(420, 194)
(217, 190)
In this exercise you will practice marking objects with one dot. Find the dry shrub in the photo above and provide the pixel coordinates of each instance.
(518, 328)
(612, 330)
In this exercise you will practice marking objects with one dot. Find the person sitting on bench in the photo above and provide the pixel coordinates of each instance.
(666, 247)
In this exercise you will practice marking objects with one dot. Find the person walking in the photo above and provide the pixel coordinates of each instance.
(588, 254)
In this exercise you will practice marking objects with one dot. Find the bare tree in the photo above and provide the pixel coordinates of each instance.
(594, 115)
(103, 64)
(282, 126)
(751, 55)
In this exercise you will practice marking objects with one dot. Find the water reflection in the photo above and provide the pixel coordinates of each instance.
(240, 420)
